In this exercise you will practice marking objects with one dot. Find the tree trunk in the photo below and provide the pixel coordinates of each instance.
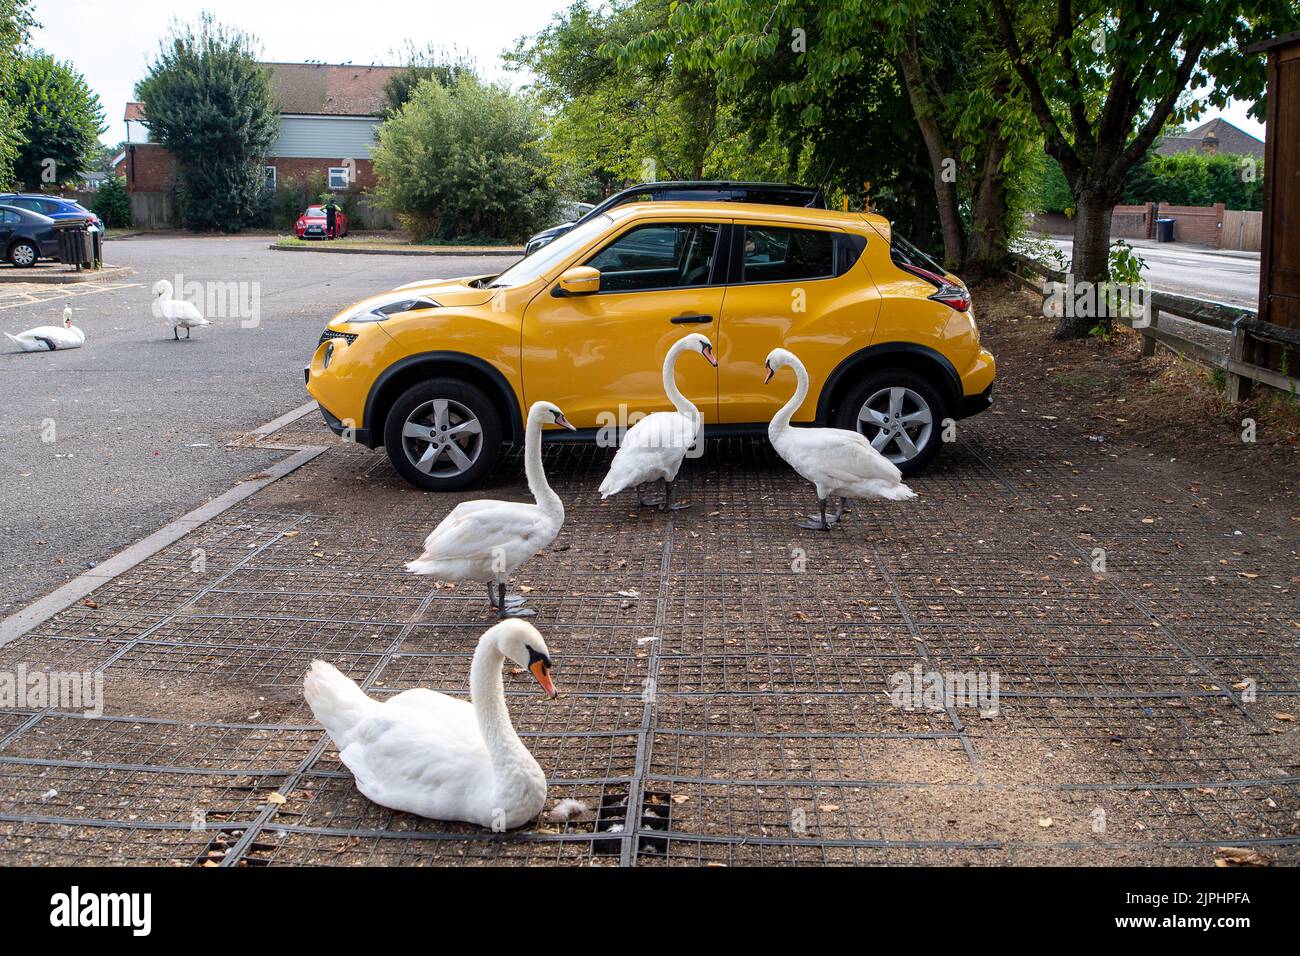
(941, 156)
(987, 253)
(1091, 259)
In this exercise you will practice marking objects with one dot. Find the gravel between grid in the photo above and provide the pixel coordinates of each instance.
(725, 675)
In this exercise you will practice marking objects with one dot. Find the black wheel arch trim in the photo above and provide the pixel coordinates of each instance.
(872, 352)
(515, 428)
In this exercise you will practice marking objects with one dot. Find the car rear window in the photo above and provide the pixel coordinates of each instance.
(905, 254)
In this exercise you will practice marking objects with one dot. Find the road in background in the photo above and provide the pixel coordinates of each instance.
(1231, 277)
(139, 422)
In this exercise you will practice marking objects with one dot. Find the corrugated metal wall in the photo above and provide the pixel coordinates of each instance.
(311, 138)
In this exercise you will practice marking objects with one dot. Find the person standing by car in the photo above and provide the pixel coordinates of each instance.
(331, 218)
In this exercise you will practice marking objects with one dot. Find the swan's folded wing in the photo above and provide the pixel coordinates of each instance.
(410, 761)
(848, 456)
(466, 532)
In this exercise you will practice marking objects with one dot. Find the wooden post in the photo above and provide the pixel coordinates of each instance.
(1238, 385)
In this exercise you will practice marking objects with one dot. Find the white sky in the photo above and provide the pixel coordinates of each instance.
(112, 41)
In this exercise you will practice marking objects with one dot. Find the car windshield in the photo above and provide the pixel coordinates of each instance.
(545, 258)
(903, 252)
(314, 211)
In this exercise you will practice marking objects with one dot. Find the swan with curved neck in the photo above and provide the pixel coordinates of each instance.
(487, 540)
(438, 756)
(51, 338)
(837, 461)
(653, 449)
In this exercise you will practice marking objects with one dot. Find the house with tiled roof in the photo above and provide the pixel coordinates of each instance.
(1218, 136)
(329, 115)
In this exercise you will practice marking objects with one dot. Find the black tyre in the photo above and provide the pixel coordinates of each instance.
(901, 412)
(24, 254)
(443, 435)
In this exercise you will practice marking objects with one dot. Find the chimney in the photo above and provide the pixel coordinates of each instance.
(1210, 144)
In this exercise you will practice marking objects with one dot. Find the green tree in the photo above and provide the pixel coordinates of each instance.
(60, 123)
(15, 26)
(112, 204)
(1103, 77)
(446, 66)
(466, 161)
(208, 100)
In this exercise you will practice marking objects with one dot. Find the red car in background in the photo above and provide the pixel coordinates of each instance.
(312, 224)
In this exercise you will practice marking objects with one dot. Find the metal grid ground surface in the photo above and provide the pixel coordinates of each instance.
(726, 675)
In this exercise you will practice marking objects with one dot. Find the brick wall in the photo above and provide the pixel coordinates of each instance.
(297, 167)
(1195, 224)
(148, 168)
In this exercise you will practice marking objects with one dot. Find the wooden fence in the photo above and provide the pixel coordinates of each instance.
(1242, 229)
(1242, 324)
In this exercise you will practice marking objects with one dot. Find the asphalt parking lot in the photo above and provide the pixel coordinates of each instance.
(140, 422)
(725, 676)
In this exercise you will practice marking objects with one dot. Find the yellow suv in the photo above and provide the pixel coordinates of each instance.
(439, 372)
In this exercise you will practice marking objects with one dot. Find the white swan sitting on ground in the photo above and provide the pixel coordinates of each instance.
(837, 461)
(182, 314)
(51, 338)
(653, 448)
(438, 756)
(487, 540)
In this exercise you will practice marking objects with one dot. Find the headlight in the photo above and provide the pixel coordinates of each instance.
(379, 311)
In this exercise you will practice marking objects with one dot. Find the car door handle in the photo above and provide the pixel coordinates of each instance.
(691, 319)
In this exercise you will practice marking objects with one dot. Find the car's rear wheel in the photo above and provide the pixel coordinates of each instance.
(23, 254)
(443, 435)
(902, 414)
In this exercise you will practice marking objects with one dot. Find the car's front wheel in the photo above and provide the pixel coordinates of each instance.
(23, 253)
(443, 435)
(902, 414)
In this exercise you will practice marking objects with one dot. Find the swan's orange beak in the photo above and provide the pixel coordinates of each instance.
(543, 676)
(708, 354)
(561, 420)
(768, 377)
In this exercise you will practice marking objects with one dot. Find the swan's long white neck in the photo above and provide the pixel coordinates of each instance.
(781, 420)
(488, 696)
(680, 401)
(545, 496)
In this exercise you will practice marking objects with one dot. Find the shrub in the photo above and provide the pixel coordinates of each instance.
(465, 160)
(112, 204)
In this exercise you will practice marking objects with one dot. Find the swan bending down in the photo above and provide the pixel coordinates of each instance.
(437, 756)
(653, 448)
(51, 338)
(487, 540)
(837, 461)
(183, 314)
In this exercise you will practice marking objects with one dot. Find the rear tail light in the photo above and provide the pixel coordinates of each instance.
(954, 296)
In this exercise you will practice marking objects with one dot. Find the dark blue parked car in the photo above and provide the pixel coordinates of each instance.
(26, 236)
(52, 206)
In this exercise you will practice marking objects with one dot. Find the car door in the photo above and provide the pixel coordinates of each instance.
(8, 221)
(600, 356)
(793, 287)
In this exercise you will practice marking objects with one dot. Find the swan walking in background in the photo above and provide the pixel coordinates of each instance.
(653, 448)
(438, 756)
(837, 461)
(487, 540)
(182, 314)
(51, 338)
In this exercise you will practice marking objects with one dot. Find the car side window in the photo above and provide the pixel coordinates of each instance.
(774, 254)
(8, 218)
(658, 256)
(29, 204)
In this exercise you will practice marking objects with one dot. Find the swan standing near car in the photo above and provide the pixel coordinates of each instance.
(487, 540)
(51, 338)
(438, 756)
(837, 461)
(182, 314)
(653, 449)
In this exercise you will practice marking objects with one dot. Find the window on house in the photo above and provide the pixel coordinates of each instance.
(338, 177)
(270, 177)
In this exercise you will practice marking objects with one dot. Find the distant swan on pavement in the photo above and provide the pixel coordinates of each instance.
(182, 314)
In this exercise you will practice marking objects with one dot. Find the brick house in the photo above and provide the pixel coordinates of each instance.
(329, 114)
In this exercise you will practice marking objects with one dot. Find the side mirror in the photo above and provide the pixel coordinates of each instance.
(580, 280)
